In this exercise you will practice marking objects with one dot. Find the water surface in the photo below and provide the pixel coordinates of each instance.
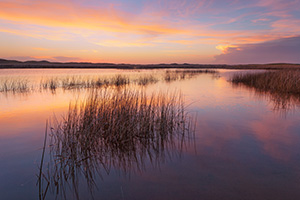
(244, 146)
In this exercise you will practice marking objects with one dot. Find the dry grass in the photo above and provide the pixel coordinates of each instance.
(51, 84)
(79, 82)
(83, 82)
(146, 80)
(88, 82)
(275, 81)
(282, 85)
(14, 85)
(117, 129)
(185, 74)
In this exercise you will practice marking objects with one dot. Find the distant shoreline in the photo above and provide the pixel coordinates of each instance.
(13, 64)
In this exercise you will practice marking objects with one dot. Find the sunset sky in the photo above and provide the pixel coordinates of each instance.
(151, 31)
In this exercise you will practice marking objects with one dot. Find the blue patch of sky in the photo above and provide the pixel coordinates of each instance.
(245, 20)
(244, 24)
(296, 14)
(230, 5)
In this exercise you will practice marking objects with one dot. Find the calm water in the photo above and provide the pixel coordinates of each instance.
(244, 146)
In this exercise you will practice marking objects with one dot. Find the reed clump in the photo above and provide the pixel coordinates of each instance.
(78, 82)
(282, 85)
(174, 75)
(146, 80)
(280, 81)
(119, 80)
(14, 85)
(83, 82)
(51, 84)
(120, 129)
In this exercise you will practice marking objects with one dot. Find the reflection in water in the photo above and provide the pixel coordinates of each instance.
(120, 129)
(280, 102)
(283, 102)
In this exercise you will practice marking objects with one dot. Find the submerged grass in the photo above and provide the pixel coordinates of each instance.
(81, 82)
(174, 75)
(146, 80)
(14, 85)
(115, 128)
(282, 85)
(88, 82)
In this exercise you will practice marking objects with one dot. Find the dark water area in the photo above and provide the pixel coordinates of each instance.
(244, 145)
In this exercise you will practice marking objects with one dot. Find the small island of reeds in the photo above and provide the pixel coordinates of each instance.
(282, 85)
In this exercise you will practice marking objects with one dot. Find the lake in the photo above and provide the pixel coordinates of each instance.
(241, 144)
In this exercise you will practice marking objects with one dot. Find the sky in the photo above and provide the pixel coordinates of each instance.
(151, 31)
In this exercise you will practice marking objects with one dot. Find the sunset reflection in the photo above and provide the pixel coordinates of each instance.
(239, 142)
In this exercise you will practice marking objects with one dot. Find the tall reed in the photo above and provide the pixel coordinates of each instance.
(117, 129)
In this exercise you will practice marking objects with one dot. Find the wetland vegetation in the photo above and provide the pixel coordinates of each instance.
(119, 129)
(14, 85)
(86, 82)
(282, 86)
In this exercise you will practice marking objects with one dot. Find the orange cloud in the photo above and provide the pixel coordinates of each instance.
(40, 49)
(50, 35)
(122, 43)
(224, 48)
(72, 16)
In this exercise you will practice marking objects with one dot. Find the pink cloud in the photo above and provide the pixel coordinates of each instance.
(71, 15)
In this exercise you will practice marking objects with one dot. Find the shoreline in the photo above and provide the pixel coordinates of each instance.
(13, 64)
(159, 66)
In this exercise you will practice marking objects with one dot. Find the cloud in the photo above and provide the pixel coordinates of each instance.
(122, 43)
(285, 50)
(182, 8)
(71, 15)
(40, 49)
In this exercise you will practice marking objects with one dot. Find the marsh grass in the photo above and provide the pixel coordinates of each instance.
(82, 82)
(51, 83)
(174, 75)
(282, 86)
(92, 82)
(14, 85)
(70, 82)
(146, 80)
(118, 129)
